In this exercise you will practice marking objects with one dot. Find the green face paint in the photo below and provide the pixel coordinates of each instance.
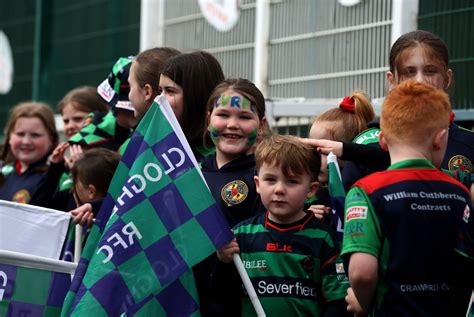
(252, 138)
(213, 133)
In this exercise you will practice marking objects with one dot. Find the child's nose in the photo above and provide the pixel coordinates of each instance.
(26, 138)
(279, 188)
(233, 123)
(420, 77)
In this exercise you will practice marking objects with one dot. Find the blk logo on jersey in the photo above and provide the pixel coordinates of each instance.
(275, 247)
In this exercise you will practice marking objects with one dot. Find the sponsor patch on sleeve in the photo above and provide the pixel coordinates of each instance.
(356, 212)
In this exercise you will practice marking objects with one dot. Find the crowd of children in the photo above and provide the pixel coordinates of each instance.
(408, 242)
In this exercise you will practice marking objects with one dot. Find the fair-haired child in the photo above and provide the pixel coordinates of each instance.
(401, 224)
(290, 256)
(30, 136)
(342, 124)
(91, 176)
(235, 120)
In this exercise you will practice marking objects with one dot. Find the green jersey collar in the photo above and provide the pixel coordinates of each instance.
(413, 163)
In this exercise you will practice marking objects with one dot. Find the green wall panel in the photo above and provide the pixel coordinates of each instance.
(79, 42)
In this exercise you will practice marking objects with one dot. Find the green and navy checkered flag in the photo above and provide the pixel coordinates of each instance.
(337, 194)
(29, 288)
(157, 221)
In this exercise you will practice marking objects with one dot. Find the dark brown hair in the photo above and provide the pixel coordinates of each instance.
(149, 64)
(84, 99)
(198, 73)
(96, 167)
(435, 46)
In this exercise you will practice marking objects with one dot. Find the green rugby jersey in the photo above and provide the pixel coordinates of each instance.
(295, 269)
(408, 217)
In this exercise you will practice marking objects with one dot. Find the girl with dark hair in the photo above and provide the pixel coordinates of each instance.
(187, 81)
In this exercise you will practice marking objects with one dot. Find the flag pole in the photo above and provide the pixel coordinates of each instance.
(248, 285)
(78, 244)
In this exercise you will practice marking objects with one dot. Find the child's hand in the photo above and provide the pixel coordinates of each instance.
(225, 254)
(83, 215)
(320, 211)
(353, 305)
(75, 153)
(325, 146)
(58, 153)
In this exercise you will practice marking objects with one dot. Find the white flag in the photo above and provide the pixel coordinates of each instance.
(32, 230)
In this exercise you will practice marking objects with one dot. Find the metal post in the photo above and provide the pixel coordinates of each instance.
(151, 24)
(404, 18)
(37, 50)
(262, 35)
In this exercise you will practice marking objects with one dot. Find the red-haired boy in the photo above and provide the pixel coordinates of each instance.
(401, 224)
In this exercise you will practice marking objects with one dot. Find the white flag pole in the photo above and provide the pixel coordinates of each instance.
(248, 285)
(78, 244)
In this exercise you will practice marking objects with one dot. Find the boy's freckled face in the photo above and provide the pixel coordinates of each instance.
(283, 196)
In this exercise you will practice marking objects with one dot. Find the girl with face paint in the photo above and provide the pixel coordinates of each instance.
(235, 121)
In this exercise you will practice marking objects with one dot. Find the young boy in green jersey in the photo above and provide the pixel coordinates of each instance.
(401, 224)
(289, 255)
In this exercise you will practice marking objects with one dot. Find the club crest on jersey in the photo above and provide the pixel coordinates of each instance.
(22, 196)
(467, 214)
(234, 193)
(460, 162)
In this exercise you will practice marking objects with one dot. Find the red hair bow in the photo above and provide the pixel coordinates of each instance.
(451, 117)
(347, 104)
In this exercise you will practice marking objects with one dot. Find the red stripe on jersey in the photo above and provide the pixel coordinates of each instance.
(299, 226)
(386, 178)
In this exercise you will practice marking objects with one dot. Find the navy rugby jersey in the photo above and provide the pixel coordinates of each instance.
(20, 187)
(408, 217)
(294, 268)
(233, 187)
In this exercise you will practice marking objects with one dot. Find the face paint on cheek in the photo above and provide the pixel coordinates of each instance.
(213, 133)
(252, 138)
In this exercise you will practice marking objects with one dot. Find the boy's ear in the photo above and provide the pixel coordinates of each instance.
(313, 188)
(390, 80)
(257, 183)
(449, 75)
(263, 125)
(91, 192)
(439, 138)
(383, 141)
